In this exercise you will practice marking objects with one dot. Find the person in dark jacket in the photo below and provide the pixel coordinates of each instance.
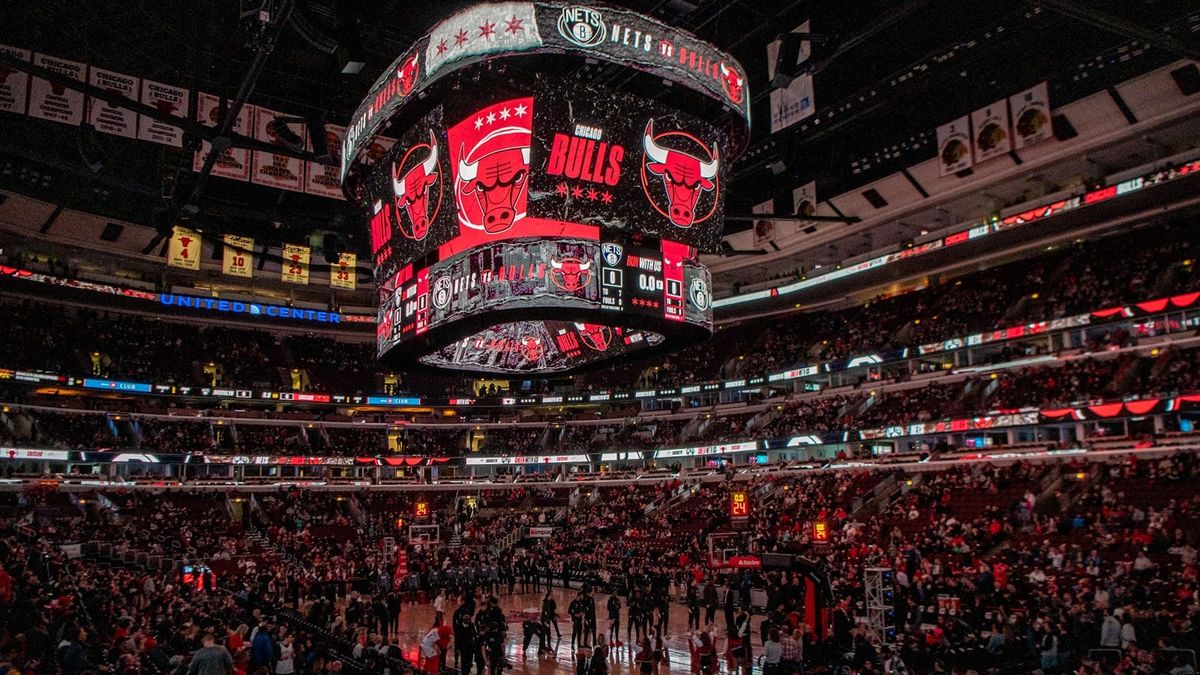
(710, 603)
(262, 648)
(550, 614)
(71, 654)
(466, 645)
(614, 618)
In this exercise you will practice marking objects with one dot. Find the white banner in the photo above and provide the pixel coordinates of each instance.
(272, 169)
(321, 179)
(14, 84)
(169, 100)
(108, 118)
(804, 199)
(541, 532)
(764, 230)
(531, 459)
(482, 29)
(234, 162)
(1031, 116)
(55, 102)
(702, 451)
(23, 453)
(954, 146)
(991, 131)
(795, 102)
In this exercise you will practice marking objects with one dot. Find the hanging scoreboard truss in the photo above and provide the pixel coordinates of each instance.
(546, 199)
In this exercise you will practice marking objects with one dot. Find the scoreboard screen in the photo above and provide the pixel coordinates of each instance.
(523, 221)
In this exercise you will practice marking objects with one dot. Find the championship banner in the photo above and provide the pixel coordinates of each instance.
(764, 230)
(795, 102)
(992, 136)
(343, 274)
(14, 84)
(234, 162)
(55, 102)
(322, 179)
(108, 118)
(238, 259)
(271, 169)
(184, 249)
(954, 146)
(166, 99)
(1031, 116)
(294, 268)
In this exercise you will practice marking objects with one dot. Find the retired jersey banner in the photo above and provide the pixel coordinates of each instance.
(233, 162)
(184, 249)
(804, 199)
(14, 84)
(954, 146)
(55, 102)
(322, 179)
(238, 259)
(109, 118)
(991, 132)
(343, 274)
(294, 268)
(271, 169)
(1031, 116)
(764, 230)
(169, 100)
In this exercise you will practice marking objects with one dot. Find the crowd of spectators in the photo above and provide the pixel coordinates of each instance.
(1080, 379)
(1099, 273)
(994, 566)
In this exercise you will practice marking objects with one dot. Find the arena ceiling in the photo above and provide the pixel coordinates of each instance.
(886, 73)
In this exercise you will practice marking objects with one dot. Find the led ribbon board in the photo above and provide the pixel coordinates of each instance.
(531, 216)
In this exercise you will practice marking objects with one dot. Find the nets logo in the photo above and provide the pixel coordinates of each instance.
(441, 292)
(583, 26)
(612, 253)
(698, 292)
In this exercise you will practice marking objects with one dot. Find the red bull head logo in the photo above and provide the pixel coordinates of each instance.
(595, 336)
(412, 191)
(497, 183)
(733, 84)
(489, 152)
(684, 176)
(407, 74)
(531, 348)
(570, 274)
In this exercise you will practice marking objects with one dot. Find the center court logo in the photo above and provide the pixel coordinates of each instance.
(583, 26)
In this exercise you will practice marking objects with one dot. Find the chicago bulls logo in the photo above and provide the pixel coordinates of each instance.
(733, 84)
(413, 190)
(570, 274)
(490, 155)
(407, 74)
(531, 347)
(595, 336)
(685, 176)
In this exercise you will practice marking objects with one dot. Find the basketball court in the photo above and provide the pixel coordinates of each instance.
(416, 620)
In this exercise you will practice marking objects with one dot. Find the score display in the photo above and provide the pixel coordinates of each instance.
(513, 295)
(525, 221)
